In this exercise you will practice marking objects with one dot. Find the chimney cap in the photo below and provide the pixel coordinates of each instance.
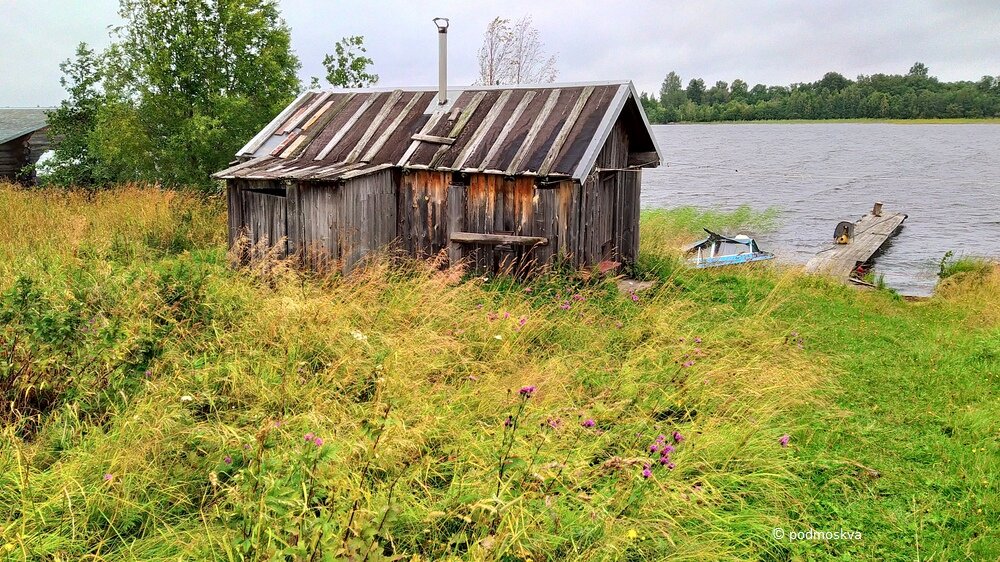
(442, 27)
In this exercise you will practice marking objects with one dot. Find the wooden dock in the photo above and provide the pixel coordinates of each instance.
(855, 245)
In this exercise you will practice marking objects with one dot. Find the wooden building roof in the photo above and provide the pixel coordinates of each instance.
(15, 122)
(554, 130)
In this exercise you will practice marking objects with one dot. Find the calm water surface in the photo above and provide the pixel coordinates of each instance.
(945, 177)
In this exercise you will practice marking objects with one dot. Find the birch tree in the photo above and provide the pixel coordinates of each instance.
(513, 53)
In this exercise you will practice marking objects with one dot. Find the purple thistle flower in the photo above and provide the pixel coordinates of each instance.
(565, 305)
(634, 297)
(667, 449)
(589, 422)
(308, 436)
(653, 448)
(784, 440)
(508, 422)
(664, 460)
(522, 321)
(555, 423)
(527, 391)
(318, 441)
(688, 363)
(678, 437)
(148, 373)
(228, 459)
(506, 315)
(108, 477)
(697, 340)
(661, 438)
(646, 473)
(671, 466)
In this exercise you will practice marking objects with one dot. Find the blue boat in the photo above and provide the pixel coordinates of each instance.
(718, 250)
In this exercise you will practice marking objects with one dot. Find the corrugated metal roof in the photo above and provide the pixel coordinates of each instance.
(552, 130)
(19, 121)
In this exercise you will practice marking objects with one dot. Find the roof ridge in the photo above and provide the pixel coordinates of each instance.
(475, 87)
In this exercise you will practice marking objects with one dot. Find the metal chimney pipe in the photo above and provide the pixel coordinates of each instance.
(442, 25)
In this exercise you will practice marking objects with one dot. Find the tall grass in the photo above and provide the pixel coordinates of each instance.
(176, 407)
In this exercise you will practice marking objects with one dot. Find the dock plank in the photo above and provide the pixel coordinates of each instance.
(871, 233)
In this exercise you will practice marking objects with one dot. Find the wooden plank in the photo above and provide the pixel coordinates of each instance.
(298, 119)
(293, 147)
(284, 144)
(316, 116)
(494, 239)
(481, 131)
(428, 127)
(374, 126)
(497, 144)
(327, 113)
(642, 159)
(463, 120)
(458, 127)
(433, 139)
(380, 142)
(871, 233)
(567, 127)
(529, 140)
(347, 127)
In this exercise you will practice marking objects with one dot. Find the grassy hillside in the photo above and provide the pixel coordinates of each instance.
(161, 405)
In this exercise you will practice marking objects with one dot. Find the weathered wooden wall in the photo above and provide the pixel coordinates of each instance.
(23, 151)
(609, 206)
(339, 223)
(257, 216)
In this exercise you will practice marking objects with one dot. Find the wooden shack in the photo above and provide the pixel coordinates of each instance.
(23, 139)
(502, 178)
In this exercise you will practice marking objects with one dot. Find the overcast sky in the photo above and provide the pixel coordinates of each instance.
(776, 42)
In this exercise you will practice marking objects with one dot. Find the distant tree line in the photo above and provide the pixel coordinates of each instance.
(915, 95)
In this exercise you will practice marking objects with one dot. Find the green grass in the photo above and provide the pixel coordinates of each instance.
(157, 402)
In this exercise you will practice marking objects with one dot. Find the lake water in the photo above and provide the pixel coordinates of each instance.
(945, 177)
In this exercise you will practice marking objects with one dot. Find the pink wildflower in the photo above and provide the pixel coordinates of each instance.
(589, 422)
(784, 440)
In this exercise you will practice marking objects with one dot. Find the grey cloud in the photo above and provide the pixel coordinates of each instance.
(777, 42)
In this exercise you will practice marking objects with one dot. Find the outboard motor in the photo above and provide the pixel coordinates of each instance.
(844, 232)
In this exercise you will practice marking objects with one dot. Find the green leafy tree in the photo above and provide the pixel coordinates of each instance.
(738, 91)
(672, 91)
(918, 70)
(833, 81)
(184, 84)
(349, 67)
(695, 90)
(717, 94)
(70, 125)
